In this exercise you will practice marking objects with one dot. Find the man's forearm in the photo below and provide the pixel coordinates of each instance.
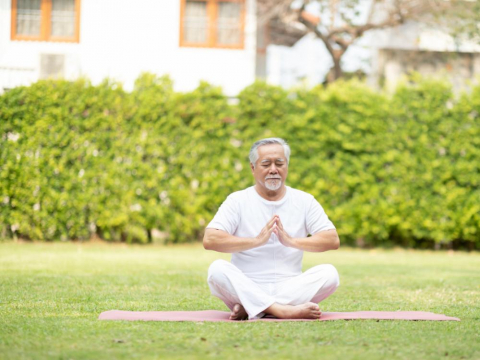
(221, 241)
(321, 241)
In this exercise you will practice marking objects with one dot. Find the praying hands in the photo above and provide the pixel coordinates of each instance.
(322, 241)
(275, 226)
(266, 232)
(282, 235)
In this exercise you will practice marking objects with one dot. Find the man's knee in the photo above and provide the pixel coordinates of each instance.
(330, 273)
(217, 269)
(333, 276)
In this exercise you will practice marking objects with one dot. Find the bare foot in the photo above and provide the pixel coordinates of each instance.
(304, 311)
(238, 313)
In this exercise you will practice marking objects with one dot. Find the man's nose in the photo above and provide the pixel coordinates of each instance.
(273, 169)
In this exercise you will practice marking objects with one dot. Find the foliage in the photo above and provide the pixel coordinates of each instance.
(80, 161)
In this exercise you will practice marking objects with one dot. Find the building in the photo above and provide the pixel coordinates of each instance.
(221, 41)
(415, 47)
(190, 40)
(385, 56)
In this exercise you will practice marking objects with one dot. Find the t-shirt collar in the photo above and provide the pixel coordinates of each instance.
(268, 202)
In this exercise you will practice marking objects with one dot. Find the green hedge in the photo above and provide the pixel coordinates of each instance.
(79, 161)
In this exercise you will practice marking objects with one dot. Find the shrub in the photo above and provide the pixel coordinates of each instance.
(79, 160)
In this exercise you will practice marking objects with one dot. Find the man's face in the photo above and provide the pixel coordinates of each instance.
(271, 169)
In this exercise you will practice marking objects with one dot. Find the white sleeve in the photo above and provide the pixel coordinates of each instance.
(227, 217)
(316, 219)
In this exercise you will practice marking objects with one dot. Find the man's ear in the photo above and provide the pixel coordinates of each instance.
(252, 167)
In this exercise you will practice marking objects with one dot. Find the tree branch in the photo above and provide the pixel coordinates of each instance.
(344, 44)
(355, 32)
(313, 28)
(267, 10)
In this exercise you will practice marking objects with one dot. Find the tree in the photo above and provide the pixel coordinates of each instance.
(341, 22)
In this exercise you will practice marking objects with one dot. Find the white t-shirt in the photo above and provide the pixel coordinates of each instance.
(244, 213)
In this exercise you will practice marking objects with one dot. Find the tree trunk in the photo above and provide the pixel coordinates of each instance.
(337, 69)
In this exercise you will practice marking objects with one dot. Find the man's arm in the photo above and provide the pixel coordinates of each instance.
(221, 241)
(319, 242)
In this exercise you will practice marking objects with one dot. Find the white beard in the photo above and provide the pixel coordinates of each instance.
(273, 184)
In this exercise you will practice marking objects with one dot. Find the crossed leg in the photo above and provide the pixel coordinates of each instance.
(231, 286)
(296, 297)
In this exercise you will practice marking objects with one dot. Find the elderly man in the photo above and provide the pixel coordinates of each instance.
(266, 229)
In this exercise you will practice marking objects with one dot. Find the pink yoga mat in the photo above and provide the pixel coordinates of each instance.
(214, 315)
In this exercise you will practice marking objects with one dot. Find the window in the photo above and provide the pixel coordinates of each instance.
(212, 23)
(46, 20)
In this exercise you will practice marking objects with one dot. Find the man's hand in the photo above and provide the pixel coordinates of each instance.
(266, 232)
(282, 235)
(219, 240)
(321, 241)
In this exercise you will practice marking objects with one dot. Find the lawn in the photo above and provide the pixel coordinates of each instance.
(52, 294)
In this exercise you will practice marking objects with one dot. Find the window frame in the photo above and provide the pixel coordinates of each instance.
(212, 13)
(45, 24)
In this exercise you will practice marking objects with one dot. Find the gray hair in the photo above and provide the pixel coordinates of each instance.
(253, 156)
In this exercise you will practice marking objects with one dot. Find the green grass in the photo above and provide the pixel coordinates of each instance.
(52, 294)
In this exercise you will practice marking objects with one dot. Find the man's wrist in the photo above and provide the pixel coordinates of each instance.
(256, 241)
(293, 243)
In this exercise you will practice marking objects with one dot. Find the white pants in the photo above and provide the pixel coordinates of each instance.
(230, 285)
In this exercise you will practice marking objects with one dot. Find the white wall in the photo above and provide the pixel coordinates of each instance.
(418, 36)
(122, 38)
